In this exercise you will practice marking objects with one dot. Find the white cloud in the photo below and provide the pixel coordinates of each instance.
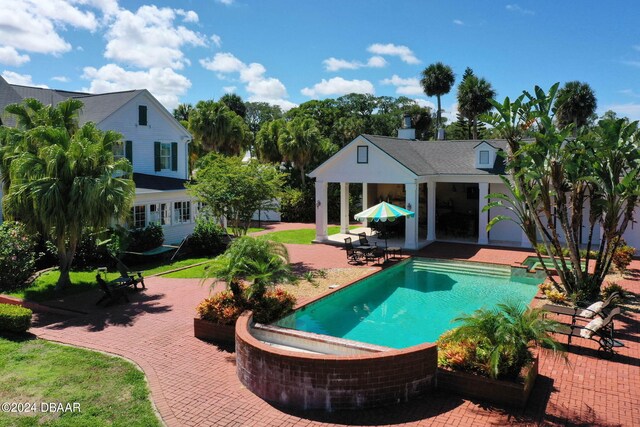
(259, 87)
(148, 38)
(62, 79)
(164, 83)
(425, 104)
(226, 2)
(630, 92)
(408, 86)
(517, 9)
(338, 86)
(450, 113)
(216, 40)
(376, 62)
(187, 15)
(20, 79)
(229, 89)
(403, 52)
(34, 25)
(630, 110)
(335, 64)
(10, 56)
(458, 22)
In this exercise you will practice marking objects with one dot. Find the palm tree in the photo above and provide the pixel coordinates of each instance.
(299, 141)
(61, 183)
(216, 127)
(437, 80)
(576, 104)
(266, 143)
(504, 337)
(474, 94)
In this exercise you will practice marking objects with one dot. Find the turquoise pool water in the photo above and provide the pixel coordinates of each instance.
(411, 303)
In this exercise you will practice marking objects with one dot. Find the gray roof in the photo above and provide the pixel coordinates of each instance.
(437, 157)
(96, 107)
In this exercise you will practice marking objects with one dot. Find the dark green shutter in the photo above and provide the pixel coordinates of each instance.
(174, 156)
(156, 156)
(142, 115)
(128, 151)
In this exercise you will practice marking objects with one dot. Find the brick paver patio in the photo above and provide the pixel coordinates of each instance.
(194, 383)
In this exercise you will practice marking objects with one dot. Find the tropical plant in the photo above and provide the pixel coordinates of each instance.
(611, 288)
(504, 337)
(266, 141)
(474, 95)
(235, 104)
(437, 80)
(62, 179)
(623, 256)
(557, 178)
(576, 104)
(216, 127)
(182, 113)
(17, 255)
(300, 141)
(235, 190)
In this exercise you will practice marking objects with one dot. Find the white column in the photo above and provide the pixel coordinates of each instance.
(411, 227)
(431, 211)
(365, 200)
(483, 216)
(321, 211)
(344, 207)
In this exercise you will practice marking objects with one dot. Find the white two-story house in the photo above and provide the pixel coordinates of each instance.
(154, 142)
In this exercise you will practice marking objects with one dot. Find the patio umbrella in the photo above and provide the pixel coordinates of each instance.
(383, 212)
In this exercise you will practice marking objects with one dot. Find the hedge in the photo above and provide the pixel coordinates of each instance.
(14, 318)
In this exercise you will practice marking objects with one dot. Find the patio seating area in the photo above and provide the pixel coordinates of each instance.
(194, 383)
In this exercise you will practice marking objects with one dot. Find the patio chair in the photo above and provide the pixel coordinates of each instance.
(376, 254)
(599, 330)
(362, 237)
(112, 292)
(600, 308)
(353, 256)
(131, 278)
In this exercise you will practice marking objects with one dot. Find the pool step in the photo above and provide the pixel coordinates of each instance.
(445, 267)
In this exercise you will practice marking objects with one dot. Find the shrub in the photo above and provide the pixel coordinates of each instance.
(297, 205)
(207, 238)
(144, 239)
(17, 256)
(456, 354)
(273, 305)
(544, 287)
(622, 256)
(556, 297)
(14, 318)
(610, 288)
(90, 254)
(222, 308)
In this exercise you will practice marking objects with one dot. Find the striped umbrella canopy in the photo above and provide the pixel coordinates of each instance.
(383, 212)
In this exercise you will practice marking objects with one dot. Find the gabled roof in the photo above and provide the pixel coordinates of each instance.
(8, 95)
(98, 107)
(437, 157)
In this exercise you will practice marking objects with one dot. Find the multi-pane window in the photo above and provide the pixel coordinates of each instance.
(139, 216)
(165, 155)
(159, 213)
(119, 150)
(181, 212)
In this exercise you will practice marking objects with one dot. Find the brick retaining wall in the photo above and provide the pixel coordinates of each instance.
(312, 381)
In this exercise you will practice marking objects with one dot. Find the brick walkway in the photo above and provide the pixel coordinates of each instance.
(194, 383)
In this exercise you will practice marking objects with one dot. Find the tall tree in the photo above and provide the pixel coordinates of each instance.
(182, 112)
(266, 143)
(576, 104)
(437, 80)
(474, 95)
(235, 104)
(299, 142)
(216, 127)
(259, 113)
(63, 178)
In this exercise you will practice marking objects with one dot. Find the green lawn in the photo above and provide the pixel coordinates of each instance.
(111, 391)
(300, 237)
(43, 288)
(249, 230)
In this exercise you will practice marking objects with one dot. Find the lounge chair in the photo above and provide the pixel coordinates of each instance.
(353, 256)
(600, 308)
(131, 278)
(599, 330)
(113, 292)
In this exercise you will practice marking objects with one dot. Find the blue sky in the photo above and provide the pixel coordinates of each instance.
(290, 51)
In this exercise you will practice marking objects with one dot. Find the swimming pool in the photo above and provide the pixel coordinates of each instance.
(411, 303)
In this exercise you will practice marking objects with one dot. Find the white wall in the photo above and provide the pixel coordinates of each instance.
(632, 233)
(173, 233)
(159, 127)
(503, 231)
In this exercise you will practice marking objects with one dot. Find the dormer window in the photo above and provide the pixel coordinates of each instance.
(484, 158)
(142, 115)
(485, 155)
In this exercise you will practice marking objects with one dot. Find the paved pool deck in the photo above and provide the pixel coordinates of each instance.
(194, 383)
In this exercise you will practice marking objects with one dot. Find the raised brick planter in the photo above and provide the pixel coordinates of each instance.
(329, 382)
(506, 393)
(213, 332)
